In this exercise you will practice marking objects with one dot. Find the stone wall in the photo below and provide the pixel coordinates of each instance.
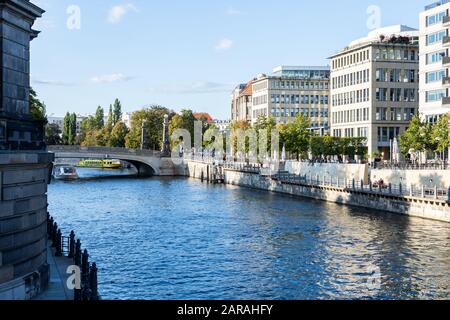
(417, 178)
(336, 170)
(23, 224)
(416, 207)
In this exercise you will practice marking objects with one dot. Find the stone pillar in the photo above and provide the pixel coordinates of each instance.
(25, 166)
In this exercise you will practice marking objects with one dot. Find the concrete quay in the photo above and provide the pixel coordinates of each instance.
(357, 194)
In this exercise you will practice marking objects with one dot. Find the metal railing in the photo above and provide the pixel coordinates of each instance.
(243, 167)
(400, 190)
(68, 247)
(437, 165)
(104, 150)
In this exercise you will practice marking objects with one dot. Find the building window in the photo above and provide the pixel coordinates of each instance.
(435, 57)
(435, 76)
(435, 18)
(435, 95)
(381, 94)
(435, 37)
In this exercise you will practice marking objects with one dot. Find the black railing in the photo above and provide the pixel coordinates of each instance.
(378, 187)
(71, 248)
(242, 167)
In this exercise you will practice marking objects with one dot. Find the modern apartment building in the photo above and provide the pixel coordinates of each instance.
(434, 60)
(241, 102)
(374, 87)
(293, 90)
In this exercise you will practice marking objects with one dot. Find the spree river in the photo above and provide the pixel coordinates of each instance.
(178, 238)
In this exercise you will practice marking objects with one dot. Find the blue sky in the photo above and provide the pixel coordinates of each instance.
(187, 54)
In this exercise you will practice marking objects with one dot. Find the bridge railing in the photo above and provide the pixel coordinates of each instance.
(104, 150)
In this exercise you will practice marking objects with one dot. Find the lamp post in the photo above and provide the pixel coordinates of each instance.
(166, 142)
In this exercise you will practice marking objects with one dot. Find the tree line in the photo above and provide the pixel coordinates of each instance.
(422, 136)
(299, 140)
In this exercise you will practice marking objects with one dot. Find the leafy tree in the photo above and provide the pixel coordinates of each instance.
(52, 134)
(110, 116)
(152, 118)
(184, 120)
(118, 135)
(417, 137)
(99, 118)
(37, 108)
(72, 130)
(296, 136)
(236, 128)
(66, 129)
(92, 139)
(117, 112)
(265, 125)
(440, 133)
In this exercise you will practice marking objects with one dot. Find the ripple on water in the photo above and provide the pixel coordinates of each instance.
(180, 239)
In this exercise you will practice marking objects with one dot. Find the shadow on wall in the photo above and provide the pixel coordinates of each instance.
(433, 180)
(427, 178)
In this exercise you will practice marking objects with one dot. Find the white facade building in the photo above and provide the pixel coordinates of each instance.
(434, 60)
(59, 121)
(241, 102)
(293, 90)
(126, 119)
(374, 87)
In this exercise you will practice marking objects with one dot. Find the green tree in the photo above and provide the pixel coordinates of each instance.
(296, 136)
(72, 129)
(66, 129)
(184, 120)
(118, 135)
(236, 128)
(52, 134)
(417, 137)
(99, 118)
(37, 107)
(440, 134)
(110, 116)
(92, 139)
(264, 126)
(152, 118)
(117, 112)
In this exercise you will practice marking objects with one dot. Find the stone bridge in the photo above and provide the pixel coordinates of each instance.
(147, 162)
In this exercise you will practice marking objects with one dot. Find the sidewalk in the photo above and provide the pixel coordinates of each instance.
(57, 288)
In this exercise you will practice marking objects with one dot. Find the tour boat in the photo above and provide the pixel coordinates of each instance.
(100, 164)
(65, 172)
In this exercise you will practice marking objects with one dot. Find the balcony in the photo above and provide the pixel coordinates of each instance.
(446, 21)
(446, 101)
(446, 81)
(446, 61)
(446, 41)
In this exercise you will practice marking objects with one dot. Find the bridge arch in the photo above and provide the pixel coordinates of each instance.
(147, 163)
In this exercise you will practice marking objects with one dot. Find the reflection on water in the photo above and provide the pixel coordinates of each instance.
(181, 239)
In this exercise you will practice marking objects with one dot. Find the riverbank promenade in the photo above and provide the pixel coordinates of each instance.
(57, 288)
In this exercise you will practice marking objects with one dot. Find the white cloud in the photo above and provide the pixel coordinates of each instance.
(51, 82)
(233, 12)
(199, 87)
(224, 44)
(110, 78)
(116, 13)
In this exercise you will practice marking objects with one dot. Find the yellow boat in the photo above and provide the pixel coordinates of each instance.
(101, 164)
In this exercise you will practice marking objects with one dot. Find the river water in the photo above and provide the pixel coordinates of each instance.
(165, 238)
